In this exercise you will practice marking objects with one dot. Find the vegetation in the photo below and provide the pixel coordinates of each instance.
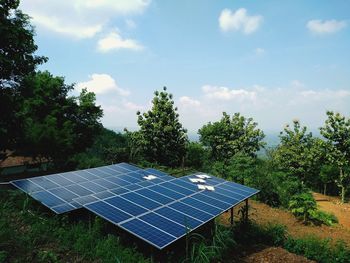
(163, 137)
(337, 133)
(42, 120)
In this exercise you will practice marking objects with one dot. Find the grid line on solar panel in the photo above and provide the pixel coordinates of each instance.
(241, 190)
(190, 210)
(108, 212)
(164, 224)
(149, 233)
(202, 206)
(241, 187)
(125, 205)
(176, 188)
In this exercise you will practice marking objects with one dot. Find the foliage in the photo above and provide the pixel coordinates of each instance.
(319, 250)
(17, 59)
(293, 152)
(109, 147)
(163, 137)
(229, 136)
(303, 205)
(49, 117)
(196, 155)
(202, 250)
(26, 234)
(336, 130)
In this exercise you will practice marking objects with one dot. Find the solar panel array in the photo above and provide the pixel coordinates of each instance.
(159, 211)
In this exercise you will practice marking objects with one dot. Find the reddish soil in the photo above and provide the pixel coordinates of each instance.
(274, 255)
(264, 214)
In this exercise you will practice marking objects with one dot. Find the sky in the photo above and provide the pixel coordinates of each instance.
(274, 61)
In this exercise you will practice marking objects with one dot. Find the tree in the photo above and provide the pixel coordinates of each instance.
(163, 137)
(336, 131)
(56, 126)
(196, 155)
(17, 59)
(293, 152)
(229, 136)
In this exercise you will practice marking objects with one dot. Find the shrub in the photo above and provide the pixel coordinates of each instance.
(303, 206)
(326, 218)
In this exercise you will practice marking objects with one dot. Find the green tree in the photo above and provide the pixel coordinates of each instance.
(196, 155)
(163, 137)
(56, 126)
(17, 59)
(293, 152)
(230, 136)
(336, 131)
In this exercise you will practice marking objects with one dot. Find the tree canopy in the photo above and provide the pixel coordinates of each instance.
(336, 131)
(229, 136)
(17, 59)
(163, 137)
(55, 125)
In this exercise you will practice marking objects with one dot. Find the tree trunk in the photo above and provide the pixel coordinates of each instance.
(342, 186)
(325, 189)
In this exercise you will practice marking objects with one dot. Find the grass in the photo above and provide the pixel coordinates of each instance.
(28, 234)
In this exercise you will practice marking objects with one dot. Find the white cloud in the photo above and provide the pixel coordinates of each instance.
(225, 93)
(113, 41)
(79, 18)
(325, 27)
(188, 102)
(239, 21)
(101, 84)
(130, 106)
(271, 107)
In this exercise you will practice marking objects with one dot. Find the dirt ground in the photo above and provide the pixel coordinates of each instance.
(264, 214)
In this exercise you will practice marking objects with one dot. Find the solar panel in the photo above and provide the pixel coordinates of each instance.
(159, 210)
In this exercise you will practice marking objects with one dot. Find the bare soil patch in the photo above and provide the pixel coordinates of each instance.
(274, 255)
(264, 214)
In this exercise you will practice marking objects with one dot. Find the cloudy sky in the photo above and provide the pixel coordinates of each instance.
(271, 60)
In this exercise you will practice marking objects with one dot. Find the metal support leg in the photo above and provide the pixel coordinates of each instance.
(231, 216)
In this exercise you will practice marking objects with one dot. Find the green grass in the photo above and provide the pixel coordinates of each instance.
(29, 235)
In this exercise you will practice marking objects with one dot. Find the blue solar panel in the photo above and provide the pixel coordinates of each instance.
(63, 208)
(158, 211)
(211, 201)
(71, 176)
(79, 190)
(104, 195)
(164, 224)
(177, 188)
(93, 187)
(108, 212)
(60, 180)
(44, 183)
(27, 186)
(85, 199)
(214, 211)
(63, 194)
(148, 233)
(154, 196)
(191, 211)
(126, 206)
(47, 199)
(178, 217)
(167, 192)
(141, 201)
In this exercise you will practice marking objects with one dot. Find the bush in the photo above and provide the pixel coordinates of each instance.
(303, 206)
(319, 250)
(326, 218)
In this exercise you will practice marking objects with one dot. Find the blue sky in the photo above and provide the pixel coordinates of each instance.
(271, 60)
